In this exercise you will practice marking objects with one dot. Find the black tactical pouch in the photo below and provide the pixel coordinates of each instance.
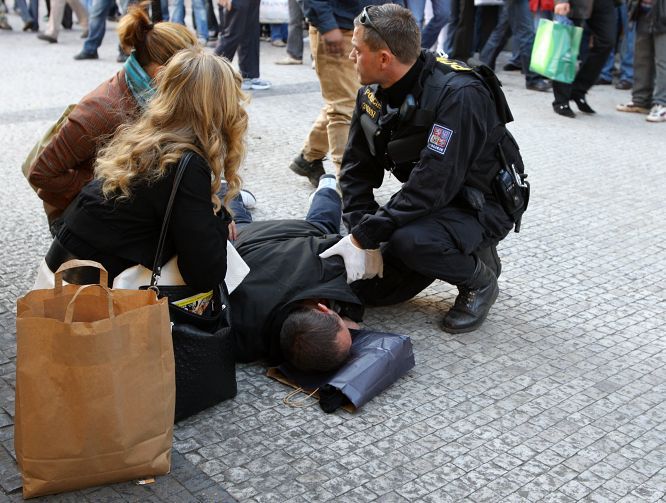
(510, 185)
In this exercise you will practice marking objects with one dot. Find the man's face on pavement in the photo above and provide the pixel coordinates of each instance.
(367, 61)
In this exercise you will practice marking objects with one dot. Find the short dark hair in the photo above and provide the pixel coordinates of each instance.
(395, 24)
(309, 341)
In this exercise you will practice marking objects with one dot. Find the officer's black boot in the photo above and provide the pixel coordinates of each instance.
(490, 257)
(475, 298)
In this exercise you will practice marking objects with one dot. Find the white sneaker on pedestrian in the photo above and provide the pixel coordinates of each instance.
(657, 114)
(288, 60)
(632, 108)
(255, 84)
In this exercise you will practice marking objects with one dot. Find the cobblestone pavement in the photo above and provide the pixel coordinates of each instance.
(560, 396)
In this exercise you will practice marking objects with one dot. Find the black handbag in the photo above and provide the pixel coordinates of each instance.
(202, 343)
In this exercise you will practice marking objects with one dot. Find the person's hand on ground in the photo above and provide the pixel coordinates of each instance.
(233, 232)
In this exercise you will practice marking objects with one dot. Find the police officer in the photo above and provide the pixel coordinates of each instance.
(435, 125)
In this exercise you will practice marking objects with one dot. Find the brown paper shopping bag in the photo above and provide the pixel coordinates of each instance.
(95, 388)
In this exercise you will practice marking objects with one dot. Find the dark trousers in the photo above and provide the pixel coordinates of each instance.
(438, 246)
(463, 38)
(240, 31)
(602, 25)
(213, 26)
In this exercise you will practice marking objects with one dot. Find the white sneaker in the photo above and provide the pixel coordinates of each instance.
(255, 84)
(326, 181)
(632, 108)
(288, 60)
(657, 114)
(249, 199)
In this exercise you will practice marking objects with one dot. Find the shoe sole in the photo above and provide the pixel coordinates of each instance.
(473, 327)
(633, 110)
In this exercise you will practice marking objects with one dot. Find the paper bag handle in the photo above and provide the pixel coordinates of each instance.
(69, 313)
(71, 264)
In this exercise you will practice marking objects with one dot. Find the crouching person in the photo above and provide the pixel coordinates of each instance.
(116, 218)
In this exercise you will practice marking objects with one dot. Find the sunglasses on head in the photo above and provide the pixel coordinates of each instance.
(365, 20)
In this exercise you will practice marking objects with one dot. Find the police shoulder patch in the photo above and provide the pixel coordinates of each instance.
(439, 138)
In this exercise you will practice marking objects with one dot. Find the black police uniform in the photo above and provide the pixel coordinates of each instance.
(437, 131)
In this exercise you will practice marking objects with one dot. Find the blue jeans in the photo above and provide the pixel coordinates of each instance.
(451, 28)
(29, 14)
(295, 29)
(515, 18)
(97, 25)
(418, 8)
(279, 31)
(626, 49)
(441, 13)
(200, 16)
(325, 211)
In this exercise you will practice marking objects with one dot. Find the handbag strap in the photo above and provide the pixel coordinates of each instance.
(180, 171)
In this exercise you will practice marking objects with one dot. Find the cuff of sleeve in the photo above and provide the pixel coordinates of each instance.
(364, 240)
(325, 27)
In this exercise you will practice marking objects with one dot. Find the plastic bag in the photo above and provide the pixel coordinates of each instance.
(274, 11)
(555, 50)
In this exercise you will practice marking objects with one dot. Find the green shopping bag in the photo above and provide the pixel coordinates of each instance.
(555, 50)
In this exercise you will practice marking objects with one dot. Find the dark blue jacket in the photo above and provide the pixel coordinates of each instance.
(327, 15)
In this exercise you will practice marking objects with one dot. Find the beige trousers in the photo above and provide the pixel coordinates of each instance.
(57, 11)
(339, 84)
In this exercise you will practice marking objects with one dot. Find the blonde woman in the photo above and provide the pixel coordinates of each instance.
(66, 164)
(116, 218)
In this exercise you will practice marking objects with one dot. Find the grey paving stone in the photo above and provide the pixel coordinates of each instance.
(564, 383)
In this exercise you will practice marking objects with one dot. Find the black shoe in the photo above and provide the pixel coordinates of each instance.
(312, 169)
(490, 257)
(603, 82)
(30, 26)
(510, 67)
(623, 85)
(583, 105)
(564, 110)
(541, 85)
(475, 298)
(86, 55)
(84, 34)
(45, 37)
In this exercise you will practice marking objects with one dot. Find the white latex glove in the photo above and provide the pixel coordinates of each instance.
(359, 263)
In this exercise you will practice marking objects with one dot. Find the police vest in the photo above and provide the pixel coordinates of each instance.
(397, 137)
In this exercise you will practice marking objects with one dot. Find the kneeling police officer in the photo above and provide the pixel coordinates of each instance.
(438, 126)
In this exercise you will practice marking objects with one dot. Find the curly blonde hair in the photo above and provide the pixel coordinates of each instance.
(198, 106)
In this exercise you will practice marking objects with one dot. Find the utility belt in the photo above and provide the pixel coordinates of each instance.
(509, 186)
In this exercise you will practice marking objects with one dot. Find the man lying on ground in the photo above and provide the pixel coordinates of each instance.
(294, 305)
